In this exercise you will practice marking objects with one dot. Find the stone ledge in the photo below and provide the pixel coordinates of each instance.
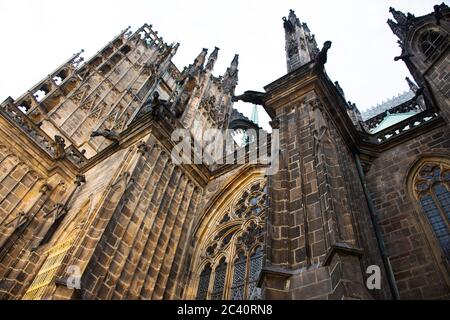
(341, 248)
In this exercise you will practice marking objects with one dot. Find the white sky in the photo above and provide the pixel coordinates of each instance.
(39, 35)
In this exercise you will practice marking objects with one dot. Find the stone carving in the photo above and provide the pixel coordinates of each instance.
(75, 156)
(212, 59)
(288, 26)
(254, 97)
(154, 106)
(230, 79)
(13, 113)
(188, 82)
(44, 188)
(59, 147)
(275, 123)
(320, 124)
(106, 133)
(80, 179)
(438, 14)
(403, 25)
(292, 48)
(404, 56)
(399, 16)
(322, 56)
(142, 147)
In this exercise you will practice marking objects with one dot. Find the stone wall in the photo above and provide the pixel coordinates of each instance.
(416, 269)
(320, 237)
(134, 247)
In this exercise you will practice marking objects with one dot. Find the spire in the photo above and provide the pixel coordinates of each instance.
(412, 86)
(200, 60)
(402, 25)
(399, 16)
(255, 118)
(235, 61)
(230, 79)
(193, 69)
(212, 59)
(175, 47)
(396, 29)
(301, 46)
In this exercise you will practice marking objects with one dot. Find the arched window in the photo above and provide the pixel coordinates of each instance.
(239, 275)
(256, 260)
(432, 43)
(431, 187)
(234, 249)
(203, 284)
(219, 280)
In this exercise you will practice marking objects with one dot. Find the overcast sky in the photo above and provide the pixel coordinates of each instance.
(38, 35)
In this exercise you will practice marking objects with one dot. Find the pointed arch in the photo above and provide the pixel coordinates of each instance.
(428, 186)
(230, 229)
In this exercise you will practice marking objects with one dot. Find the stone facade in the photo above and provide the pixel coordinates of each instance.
(93, 205)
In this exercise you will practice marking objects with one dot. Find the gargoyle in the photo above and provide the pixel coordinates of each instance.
(254, 97)
(322, 56)
(108, 134)
(404, 56)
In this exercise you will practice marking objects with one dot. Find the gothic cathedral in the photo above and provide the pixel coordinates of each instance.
(93, 204)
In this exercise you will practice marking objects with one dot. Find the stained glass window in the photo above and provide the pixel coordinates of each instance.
(202, 290)
(432, 190)
(237, 290)
(238, 236)
(219, 280)
(256, 260)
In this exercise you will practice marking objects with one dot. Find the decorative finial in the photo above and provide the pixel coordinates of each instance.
(212, 59)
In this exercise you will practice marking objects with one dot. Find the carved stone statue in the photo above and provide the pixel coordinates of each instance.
(155, 105)
(106, 133)
(59, 147)
(438, 14)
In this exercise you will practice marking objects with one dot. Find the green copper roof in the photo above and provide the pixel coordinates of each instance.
(392, 119)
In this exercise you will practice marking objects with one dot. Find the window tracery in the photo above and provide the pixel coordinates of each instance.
(432, 190)
(432, 43)
(232, 256)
